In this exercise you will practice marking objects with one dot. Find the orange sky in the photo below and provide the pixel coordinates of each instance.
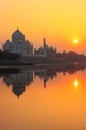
(60, 21)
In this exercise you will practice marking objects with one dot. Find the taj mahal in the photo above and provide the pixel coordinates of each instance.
(20, 45)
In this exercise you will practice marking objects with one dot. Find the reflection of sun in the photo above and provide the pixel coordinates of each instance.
(76, 83)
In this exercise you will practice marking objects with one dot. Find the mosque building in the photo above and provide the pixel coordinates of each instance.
(45, 50)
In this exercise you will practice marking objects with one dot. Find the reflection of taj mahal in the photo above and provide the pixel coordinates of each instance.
(23, 79)
(19, 81)
(20, 45)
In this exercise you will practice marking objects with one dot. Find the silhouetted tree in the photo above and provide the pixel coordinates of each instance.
(8, 58)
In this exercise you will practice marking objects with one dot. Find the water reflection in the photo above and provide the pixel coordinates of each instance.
(22, 78)
(76, 83)
(19, 81)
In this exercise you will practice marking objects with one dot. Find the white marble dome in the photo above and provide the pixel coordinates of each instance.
(17, 34)
(19, 44)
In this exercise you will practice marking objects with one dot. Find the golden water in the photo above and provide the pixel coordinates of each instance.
(40, 102)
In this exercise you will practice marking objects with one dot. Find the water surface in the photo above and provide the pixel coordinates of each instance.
(43, 99)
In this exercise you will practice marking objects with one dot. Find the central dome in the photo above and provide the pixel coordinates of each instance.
(17, 34)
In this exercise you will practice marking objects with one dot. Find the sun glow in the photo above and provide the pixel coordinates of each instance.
(75, 41)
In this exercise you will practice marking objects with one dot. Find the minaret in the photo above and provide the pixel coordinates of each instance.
(44, 42)
(45, 46)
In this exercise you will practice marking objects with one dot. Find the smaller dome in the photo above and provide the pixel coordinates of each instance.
(7, 42)
(17, 34)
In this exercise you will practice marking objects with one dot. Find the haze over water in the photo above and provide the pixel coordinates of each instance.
(43, 99)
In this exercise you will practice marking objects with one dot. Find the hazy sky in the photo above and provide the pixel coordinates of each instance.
(60, 21)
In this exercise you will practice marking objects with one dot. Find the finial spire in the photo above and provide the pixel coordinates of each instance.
(17, 28)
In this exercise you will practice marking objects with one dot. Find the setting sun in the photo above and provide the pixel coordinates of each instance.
(75, 41)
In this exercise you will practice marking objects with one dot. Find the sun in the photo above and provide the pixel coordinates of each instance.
(75, 41)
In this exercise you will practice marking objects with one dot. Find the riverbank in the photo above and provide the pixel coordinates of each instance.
(45, 66)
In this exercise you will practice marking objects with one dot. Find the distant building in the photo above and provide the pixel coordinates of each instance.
(45, 50)
(18, 44)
